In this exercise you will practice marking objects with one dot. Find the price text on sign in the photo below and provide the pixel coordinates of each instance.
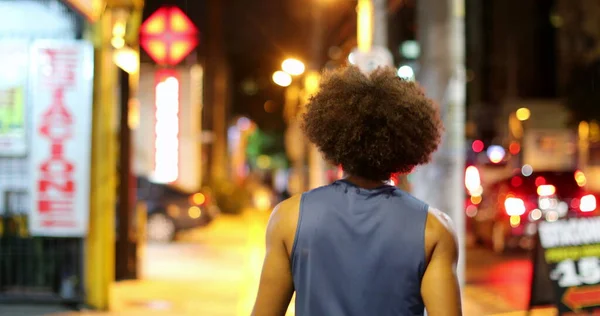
(572, 251)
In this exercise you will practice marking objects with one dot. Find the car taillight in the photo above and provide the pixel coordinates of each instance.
(546, 190)
(588, 203)
(514, 206)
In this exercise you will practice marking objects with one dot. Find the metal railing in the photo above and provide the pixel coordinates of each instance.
(36, 269)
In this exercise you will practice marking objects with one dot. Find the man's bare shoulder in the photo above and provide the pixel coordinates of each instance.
(285, 219)
(439, 229)
(287, 208)
(440, 221)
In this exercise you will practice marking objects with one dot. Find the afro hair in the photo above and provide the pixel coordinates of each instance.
(372, 125)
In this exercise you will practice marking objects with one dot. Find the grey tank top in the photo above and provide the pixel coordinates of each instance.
(359, 252)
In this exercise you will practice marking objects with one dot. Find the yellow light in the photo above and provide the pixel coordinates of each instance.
(119, 29)
(365, 25)
(134, 113)
(476, 199)
(523, 114)
(179, 49)
(311, 82)
(282, 78)
(262, 199)
(194, 212)
(515, 221)
(179, 23)
(293, 66)
(117, 42)
(263, 161)
(580, 178)
(584, 130)
(155, 26)
(127, 59)
(198, 199)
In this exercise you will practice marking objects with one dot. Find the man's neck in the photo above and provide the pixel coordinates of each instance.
(364, 183)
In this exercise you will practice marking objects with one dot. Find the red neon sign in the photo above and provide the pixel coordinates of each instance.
(168, 36)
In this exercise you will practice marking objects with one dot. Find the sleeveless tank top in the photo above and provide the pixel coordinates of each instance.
(359, 252)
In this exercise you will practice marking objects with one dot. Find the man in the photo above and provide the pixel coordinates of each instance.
(362, 247)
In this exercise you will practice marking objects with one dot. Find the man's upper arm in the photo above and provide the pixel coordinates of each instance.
(276, 283)
(440, 288)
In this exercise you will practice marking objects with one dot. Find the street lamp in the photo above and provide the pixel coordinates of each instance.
(293, 66)
(282, 78)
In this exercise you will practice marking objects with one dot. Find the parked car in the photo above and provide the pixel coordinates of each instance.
(171, 210)
(511, 209)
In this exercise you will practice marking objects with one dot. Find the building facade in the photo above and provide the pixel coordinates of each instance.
(56, 241)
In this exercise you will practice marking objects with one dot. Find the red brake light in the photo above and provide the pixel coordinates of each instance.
(587, 203)
(546, 190)
(514, 206)
(540, 181)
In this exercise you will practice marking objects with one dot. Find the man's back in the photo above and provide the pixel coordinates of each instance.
(359, 252)
(372, 251)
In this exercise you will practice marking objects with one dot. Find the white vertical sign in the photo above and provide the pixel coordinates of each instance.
(61, 108)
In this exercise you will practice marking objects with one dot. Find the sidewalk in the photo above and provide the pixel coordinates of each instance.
(162, 298)
(214, 272)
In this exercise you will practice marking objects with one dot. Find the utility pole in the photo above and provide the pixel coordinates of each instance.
(442, 39)
(380, 23)
(217, 90)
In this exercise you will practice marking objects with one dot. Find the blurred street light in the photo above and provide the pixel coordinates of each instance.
(282, 78)
(365, 25)
(127, 59)
(523, 114)
(406, 72)
(584, 130)
(293, 66)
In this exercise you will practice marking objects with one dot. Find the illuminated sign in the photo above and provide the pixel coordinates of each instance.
(166, 144)
(168, 36)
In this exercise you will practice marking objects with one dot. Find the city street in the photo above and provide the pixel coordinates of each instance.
(213, 271)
